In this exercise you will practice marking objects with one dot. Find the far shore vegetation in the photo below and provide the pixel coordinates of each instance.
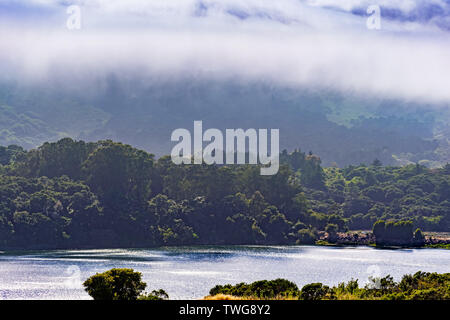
(76, 194)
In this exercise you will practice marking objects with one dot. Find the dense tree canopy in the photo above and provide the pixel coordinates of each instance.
(105, 194)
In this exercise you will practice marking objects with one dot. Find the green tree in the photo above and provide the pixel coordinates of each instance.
(332, 230)
(314, 291)
(115, 284)
(379, 230)
(393, 233)
(419, 238)
(119, 174)
(306, 236)
(377, 163)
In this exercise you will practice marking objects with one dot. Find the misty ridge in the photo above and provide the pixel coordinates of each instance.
(145, 116)
(136, 71)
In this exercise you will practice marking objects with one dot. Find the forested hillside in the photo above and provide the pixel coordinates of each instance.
(106, 194)
(345, 129)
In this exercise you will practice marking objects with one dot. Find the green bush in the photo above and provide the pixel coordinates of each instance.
(115, 284)
(260, 289)
(314, 291)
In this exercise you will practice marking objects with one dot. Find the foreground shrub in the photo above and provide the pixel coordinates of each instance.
(314, 291)
(115, 284)
(259, 289)
(120, 284)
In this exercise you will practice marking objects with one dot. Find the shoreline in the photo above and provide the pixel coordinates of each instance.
(320, 243)
(435, 240)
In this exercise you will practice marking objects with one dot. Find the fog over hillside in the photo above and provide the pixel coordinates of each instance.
(136, 70)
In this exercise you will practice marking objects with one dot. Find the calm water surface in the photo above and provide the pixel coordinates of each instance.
(189, 272)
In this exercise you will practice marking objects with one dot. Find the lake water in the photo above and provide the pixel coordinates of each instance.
(189, 272)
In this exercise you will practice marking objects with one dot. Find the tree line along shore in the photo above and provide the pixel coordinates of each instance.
(105, 194)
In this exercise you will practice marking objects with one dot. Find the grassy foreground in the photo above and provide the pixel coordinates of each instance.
(420, 286)
(126, 284)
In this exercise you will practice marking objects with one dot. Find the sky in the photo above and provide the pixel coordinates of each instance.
(321, 44)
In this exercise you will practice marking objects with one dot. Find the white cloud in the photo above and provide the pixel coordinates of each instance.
(290, 42)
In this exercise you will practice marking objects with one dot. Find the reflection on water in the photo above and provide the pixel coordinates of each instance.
(189, 272)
